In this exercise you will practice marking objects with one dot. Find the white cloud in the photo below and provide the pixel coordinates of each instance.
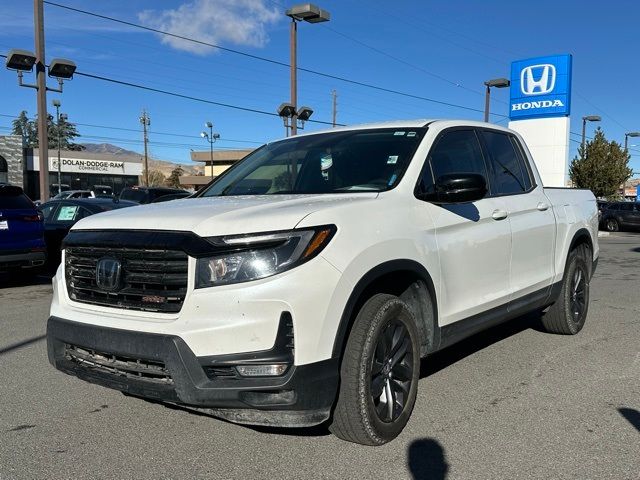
(239, 22)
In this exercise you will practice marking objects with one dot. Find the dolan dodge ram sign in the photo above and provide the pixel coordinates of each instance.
(540, 87)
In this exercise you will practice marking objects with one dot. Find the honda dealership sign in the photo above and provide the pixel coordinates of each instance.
(540, 87)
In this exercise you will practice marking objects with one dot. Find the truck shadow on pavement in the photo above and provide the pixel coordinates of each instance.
(479, 341)
(427, 460)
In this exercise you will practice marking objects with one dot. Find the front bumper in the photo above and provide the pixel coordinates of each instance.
(162, 367)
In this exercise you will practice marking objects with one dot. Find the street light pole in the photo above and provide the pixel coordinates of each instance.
(309, 13)
(626, 137)
(293, 43)
(211, 138)
(41, 82)
(498, 83)
(588, 118)
(56, 103)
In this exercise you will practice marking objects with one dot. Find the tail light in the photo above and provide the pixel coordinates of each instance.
(33, 218)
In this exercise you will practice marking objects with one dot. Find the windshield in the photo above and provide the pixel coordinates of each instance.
(353, 161)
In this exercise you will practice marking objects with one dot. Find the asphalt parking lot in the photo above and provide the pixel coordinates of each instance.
(512, 402)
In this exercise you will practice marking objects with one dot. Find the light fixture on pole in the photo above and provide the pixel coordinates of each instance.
(211, 138)
(309, 13)
(290, 117)
(629, 134)
(497, 83)
(588, 118)
(61, 69)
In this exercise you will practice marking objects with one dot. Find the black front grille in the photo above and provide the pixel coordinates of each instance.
(150, 280)
(118, 365)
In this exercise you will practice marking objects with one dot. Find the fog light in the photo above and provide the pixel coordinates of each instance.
(261, 370)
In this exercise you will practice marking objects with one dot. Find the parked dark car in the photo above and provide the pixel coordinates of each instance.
(602, 205)
(61, 215)
(22, 244)
(171, 196)
(621, 215)
(147, 194)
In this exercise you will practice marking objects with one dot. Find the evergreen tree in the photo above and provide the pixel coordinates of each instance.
(174, 178)
(29, 131)
(602, 166)
(25, 128)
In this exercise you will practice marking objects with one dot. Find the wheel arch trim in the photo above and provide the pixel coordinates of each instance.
(367, 280)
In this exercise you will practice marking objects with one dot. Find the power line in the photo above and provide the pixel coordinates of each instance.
(110, 127)
(269, 60)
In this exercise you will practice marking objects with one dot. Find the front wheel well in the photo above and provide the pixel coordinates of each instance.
(408, 281)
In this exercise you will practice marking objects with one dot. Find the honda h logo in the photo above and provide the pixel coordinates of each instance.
(108, 274)
(538, 79)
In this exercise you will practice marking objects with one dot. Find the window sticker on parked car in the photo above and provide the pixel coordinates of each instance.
(399, 133)
(67, 213)
(4, 225)
(392, 159)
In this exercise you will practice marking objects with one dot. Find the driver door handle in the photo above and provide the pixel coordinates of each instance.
(499, 214)
(543, 206)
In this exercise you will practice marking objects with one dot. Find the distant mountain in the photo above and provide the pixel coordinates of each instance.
(162, 165)
(107, 148)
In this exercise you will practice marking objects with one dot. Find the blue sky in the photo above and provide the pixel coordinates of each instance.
(439, 50)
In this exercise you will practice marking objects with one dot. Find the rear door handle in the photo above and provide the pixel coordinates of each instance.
(499, 214)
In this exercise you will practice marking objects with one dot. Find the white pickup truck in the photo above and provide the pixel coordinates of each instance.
(306, 283)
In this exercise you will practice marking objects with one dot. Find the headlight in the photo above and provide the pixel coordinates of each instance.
(243, 258)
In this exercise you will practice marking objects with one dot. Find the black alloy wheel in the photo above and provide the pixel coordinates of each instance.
(578, 294)
(379, 373)
(391, 372)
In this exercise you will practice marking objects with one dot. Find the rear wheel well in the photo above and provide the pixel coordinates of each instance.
(414, 289)
(583, 245)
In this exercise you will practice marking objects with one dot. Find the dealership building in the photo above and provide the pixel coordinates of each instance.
(80, 170)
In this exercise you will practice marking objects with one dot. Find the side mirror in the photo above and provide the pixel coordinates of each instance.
(459, 188)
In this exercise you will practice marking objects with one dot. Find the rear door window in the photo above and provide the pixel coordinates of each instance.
(509, 173)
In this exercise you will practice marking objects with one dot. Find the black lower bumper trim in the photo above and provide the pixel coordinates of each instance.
(162, 367)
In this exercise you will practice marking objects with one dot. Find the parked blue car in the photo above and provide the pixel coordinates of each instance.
(22, 245)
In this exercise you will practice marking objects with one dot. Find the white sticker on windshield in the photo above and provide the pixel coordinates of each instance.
(399, 133)
(411, 134)
(392, 159)
(4, 225)
(67, 213)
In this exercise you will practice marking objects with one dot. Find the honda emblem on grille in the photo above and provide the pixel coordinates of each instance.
(108, 274)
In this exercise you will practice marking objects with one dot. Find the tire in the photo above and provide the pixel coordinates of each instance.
(612, 225)
(567, 316)
(371, 373)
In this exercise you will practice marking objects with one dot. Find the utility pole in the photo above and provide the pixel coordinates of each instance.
(41, 82)
(145, 121)
(334, 94)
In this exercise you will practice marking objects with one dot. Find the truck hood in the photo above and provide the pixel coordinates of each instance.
(221, 215)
